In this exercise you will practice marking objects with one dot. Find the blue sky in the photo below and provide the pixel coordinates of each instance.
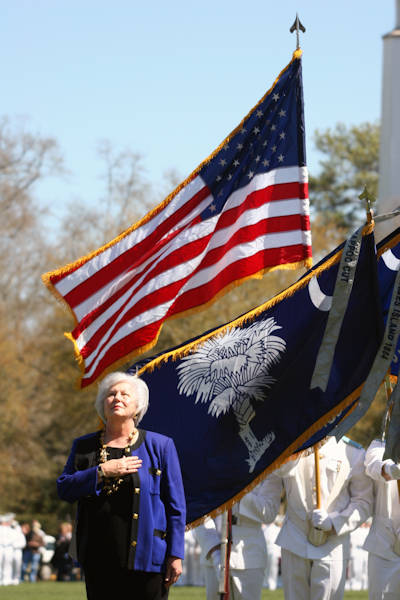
(171, 79)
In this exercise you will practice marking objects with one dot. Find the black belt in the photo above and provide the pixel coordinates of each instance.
(160, 534)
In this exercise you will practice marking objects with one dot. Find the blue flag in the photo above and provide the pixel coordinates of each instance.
(388, 266)
(237, 400)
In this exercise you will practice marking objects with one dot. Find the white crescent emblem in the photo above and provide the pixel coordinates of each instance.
(318, 298)
(391, 261)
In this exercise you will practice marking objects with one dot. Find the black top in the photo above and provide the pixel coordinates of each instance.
(110, 518)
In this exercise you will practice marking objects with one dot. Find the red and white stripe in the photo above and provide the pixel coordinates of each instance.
(175, 261)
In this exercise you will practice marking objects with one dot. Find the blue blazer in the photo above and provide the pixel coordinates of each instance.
(158, 502)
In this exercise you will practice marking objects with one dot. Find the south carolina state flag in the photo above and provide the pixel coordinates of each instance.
(242, 212)
(237, 400)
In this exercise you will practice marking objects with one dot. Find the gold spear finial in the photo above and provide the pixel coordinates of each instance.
(369, 199)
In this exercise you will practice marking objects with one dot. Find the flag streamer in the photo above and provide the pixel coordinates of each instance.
(340, 298)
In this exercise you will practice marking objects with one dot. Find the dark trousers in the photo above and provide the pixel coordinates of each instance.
(113, 582)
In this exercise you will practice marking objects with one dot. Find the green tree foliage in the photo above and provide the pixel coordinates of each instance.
(24, 160)
(350, 162)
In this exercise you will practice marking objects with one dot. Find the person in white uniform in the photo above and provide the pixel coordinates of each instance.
(10, 541)
(248, 550)
(315, 543)
(273, 555)
(383, 541)
(192, 573)
(357, 572)
(19, 541)
(3, 541)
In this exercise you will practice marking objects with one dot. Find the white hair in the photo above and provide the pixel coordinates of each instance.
(140, 390)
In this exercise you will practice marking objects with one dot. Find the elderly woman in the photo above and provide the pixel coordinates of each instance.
(131, 504)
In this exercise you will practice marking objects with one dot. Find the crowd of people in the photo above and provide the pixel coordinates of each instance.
(21, 546)
(12, 545)
(27, 554)
(22, 556)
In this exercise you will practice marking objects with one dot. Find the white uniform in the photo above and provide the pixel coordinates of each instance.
(2, 547)
(357, 578)
(192, 573)
(383, 562)
(248, 551)
(273, 556)
(6, 553)
(319, 572)
(19, 542)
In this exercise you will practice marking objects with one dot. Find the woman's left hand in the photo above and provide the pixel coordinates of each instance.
(173, 570)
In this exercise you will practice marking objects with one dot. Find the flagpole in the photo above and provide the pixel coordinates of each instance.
(369, 200)
(226, 541)
(317, 477)
(389, 408)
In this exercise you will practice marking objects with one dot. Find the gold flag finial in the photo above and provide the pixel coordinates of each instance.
(297, 27)
(369, 199)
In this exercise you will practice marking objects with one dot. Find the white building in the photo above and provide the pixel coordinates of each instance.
(389, 154)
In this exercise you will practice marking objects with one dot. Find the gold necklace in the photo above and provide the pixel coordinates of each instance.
(111, 484)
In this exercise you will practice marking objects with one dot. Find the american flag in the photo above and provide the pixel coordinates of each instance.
(242, 212)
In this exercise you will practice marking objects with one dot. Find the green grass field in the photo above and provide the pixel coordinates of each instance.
(76, 591)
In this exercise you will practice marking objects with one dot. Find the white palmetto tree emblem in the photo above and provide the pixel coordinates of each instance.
(231, 371)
